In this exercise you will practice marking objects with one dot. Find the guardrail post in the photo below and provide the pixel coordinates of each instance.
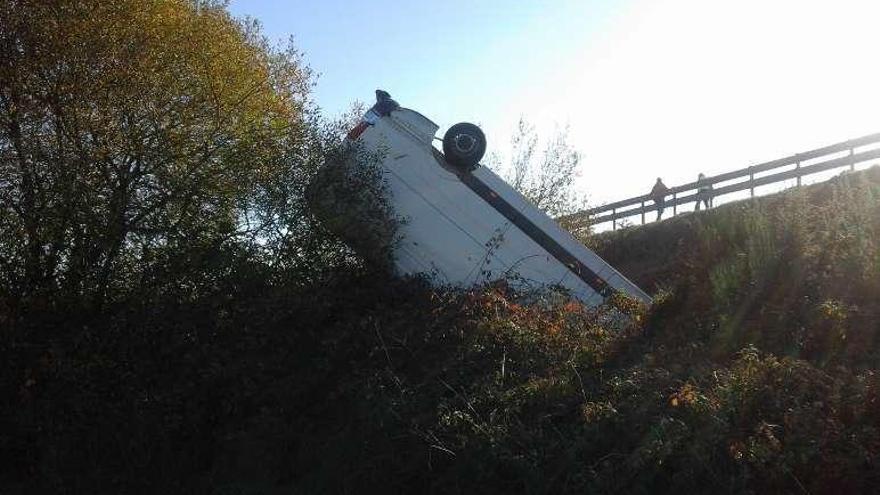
(674, 206)
(797, 166)
(852, 161)
(643, 213)
(613, 218)
(751, 182)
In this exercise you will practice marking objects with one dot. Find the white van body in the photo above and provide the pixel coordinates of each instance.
(463, 228)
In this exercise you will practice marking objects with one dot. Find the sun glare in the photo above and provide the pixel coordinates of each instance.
(678, 87)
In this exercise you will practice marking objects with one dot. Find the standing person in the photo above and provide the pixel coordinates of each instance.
(704, 192)
(658, 194)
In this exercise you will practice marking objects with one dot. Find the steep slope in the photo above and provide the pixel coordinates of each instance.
(657, 254)
(773, 271)
(755, 372)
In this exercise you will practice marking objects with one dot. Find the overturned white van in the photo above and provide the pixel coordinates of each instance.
(462, 224)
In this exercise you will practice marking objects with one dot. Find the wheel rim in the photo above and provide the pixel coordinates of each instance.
(464, 143)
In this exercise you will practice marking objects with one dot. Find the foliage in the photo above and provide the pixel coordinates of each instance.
(133, 133)
(350, 196)
(796, 274)
(545, 178)
(362, 383)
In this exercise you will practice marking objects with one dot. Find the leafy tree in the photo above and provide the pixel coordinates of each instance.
(138, 137)
(545, 177)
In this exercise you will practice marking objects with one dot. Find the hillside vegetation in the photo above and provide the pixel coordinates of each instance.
(754, 372)
(174, 319)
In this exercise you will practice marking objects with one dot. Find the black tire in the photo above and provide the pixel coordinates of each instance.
(464, 145)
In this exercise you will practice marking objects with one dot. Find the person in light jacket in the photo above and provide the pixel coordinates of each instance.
(658, 194)
(704, 193)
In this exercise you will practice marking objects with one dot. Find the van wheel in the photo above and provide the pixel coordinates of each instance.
(464, 145)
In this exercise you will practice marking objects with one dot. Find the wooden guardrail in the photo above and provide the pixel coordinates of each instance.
(821, 160)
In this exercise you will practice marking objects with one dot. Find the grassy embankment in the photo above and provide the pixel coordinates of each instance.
(755, 371)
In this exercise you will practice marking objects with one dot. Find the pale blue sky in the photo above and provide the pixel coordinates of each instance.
(648, 87)
(454, 60)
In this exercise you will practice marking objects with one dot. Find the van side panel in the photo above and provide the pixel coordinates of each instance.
(453, 233)
(445, 228)
(562, 237)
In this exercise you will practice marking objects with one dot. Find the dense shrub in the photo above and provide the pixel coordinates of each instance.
(371, 384)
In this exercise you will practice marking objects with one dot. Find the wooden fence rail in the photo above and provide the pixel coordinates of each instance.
(845, 154)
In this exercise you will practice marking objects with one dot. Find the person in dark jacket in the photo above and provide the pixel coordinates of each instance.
(658, 194)
(704, 193)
